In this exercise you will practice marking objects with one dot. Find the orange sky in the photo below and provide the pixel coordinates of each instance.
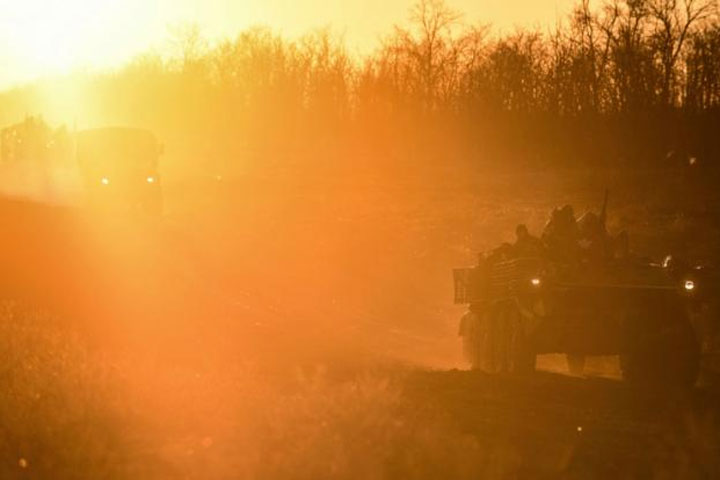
(45, 37)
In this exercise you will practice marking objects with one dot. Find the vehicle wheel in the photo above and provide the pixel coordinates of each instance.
(471, 342)
(520, 357)
(575, 363)
(663, 352)
(494, 340)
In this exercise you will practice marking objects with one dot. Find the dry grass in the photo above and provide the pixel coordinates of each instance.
(59, 411)
(71, 413)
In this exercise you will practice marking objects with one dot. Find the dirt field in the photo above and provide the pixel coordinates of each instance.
(303, 328)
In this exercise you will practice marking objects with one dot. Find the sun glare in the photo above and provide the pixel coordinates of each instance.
(47, 37)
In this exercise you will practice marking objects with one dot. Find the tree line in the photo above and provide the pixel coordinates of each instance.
(616, 81)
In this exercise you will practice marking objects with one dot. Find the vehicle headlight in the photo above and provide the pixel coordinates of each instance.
(535, 282)
(105, 181)
(150, 179)
(689, 285)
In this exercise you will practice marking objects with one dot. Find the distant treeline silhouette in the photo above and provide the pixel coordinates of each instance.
(635, 82)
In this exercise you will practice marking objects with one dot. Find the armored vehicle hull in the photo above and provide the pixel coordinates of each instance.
(524, 307)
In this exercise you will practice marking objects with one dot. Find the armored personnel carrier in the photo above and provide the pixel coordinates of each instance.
(522, 307)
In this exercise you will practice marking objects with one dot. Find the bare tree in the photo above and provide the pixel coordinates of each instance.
(702, 70)
(674, 21)
(187, 44)
(591, 34)
(426, 57)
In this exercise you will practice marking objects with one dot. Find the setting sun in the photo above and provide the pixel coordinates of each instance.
(46, 37)
(43, 37)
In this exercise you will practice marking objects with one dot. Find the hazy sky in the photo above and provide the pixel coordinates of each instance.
(44, 37)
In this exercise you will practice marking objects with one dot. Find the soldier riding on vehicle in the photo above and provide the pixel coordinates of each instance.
(560, 235)
(578, 293)
(527, 245)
